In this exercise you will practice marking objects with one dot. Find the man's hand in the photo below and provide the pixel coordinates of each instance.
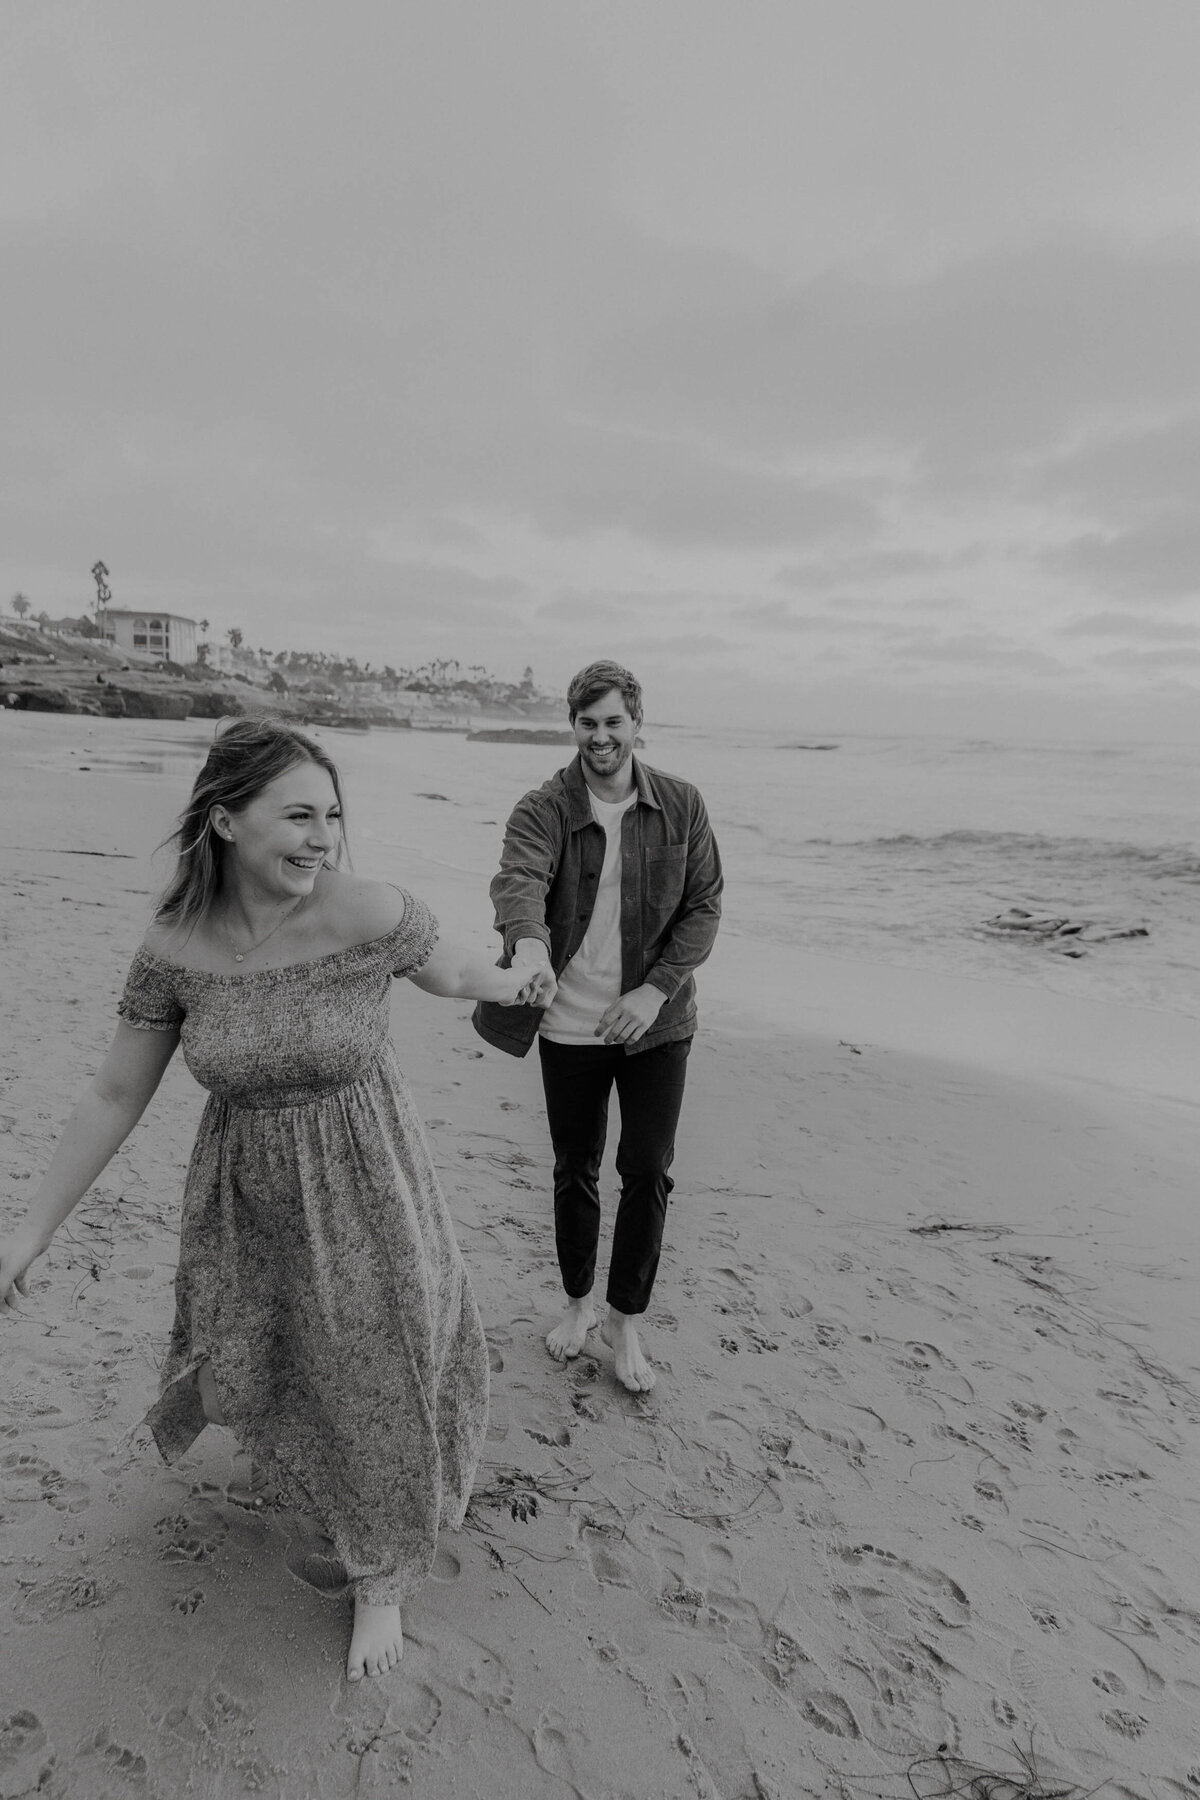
(533, 956)
(631, 1017)
(539, 989)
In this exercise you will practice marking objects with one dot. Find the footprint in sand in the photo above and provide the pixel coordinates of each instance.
(499, 1418)
(66, 1594)
(724, 1615)
(559, 1439)
(189, 1603)
(25, 1477)
(223, 1715)
(419, 1711)
(116, 1773)
(446, 1566)
(1125, 1724)
(553, 1738)
(313, 1560)
(213, 1717)
(192, 1535)
(609, 1569)
(927, 1593)
(829, 1712)
(26, 1755)
(489, 1681)
(783, 1656)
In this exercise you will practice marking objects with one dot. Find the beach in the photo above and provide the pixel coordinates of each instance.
(914, 1499)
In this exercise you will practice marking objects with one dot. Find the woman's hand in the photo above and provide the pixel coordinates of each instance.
(109, 1109)
(539, 988)
(17, 1252)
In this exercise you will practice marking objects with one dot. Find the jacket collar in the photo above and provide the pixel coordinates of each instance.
(580, 795)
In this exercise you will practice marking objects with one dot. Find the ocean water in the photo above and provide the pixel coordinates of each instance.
(883, 850)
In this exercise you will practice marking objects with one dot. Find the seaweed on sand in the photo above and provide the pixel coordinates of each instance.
(946, 1777)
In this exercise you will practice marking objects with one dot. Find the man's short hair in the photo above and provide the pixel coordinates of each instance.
(600, 678)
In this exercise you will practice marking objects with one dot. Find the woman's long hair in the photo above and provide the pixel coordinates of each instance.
(245, 757)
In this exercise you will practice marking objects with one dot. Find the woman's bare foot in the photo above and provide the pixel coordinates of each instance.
(570, 1334)
(376, 1643)
(632, 1369)
(208, 1394)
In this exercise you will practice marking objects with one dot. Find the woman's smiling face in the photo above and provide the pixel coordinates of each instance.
(279, 842)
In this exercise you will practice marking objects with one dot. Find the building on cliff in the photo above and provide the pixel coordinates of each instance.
(166, 636)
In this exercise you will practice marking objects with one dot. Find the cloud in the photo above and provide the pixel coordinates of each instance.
(981, 650)
(883, 565)
(1159, 561)
(1130, 625)
(1002, 354)
(1127, 474)
(776, 615)
(1180, 657)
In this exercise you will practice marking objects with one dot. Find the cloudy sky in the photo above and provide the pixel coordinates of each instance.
(831, 362)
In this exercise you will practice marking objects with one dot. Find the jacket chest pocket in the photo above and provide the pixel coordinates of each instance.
(664, 872)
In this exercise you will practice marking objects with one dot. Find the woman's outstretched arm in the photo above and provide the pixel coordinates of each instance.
(457, 972)
(110, 1107)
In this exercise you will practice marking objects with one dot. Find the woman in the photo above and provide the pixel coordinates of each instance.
(322, 1308)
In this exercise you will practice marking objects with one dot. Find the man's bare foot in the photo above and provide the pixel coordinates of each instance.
(376, 1643)
(208, 1394)
(570, 1334)
(632, 1369)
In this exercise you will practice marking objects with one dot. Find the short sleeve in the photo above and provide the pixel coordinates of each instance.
(412, 943)
(149, 1002)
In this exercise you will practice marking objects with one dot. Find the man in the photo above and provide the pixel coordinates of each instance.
(610, 881)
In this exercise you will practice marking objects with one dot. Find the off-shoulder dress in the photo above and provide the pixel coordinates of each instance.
(318, 1273)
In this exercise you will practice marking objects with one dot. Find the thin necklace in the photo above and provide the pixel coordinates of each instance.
(241, 955)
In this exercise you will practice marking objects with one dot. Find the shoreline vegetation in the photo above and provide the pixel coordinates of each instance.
(50, 670)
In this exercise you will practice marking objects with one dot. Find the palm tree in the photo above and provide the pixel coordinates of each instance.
(20, 605)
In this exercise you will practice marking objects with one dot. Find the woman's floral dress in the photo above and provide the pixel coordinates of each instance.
(318, 1270)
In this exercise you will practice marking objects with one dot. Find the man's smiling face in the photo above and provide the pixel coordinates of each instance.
(605, 731)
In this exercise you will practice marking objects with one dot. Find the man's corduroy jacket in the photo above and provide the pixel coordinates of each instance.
(671, 885)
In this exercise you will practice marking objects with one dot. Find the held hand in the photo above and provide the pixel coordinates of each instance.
(539, 989)
(631, 1017)
(531, 961)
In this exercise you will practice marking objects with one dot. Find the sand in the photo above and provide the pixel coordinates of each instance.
(915, 1496)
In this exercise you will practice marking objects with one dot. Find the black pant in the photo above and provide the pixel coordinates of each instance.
(578, 1079)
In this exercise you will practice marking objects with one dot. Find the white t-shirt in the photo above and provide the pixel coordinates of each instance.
(591, 980)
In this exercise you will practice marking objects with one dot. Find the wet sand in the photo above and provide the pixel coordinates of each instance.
(919, 1471)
